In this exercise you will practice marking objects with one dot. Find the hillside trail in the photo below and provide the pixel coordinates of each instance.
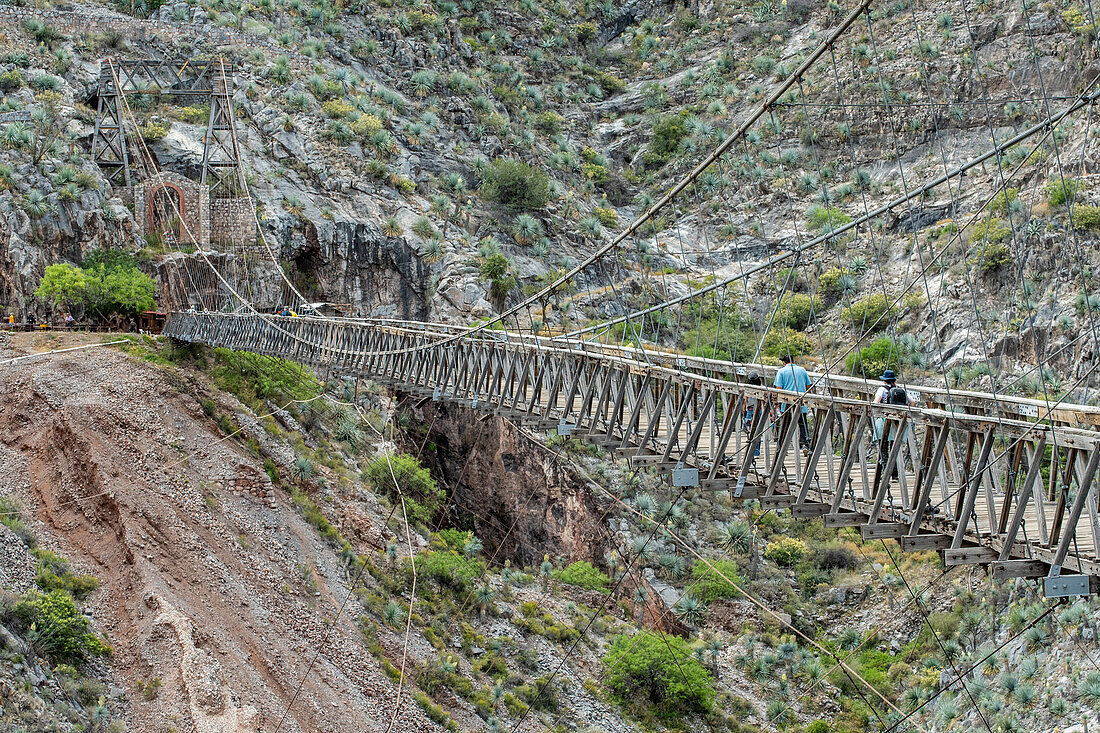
(199, 559)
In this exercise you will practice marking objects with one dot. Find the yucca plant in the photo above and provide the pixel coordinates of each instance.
(37, 205)
(423, 82)
(690, 610)
(483, 599)
(393, 614)
(391, 227)
(302, 468)
(526, 228)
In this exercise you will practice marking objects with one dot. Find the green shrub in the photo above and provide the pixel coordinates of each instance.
(992, 257)
(826, 218)
(153, 131)
(668, 132)
(585, 31)
(516, 185)
(448, 568)
(715, 580)
(56, 628)
(818, 726)
(865, 313)
(255, 379)
(423, 497)
(549, 122)
(836, 281)
(10, 81)
(779, 341)
(658, 671)
(337, 109)
(607, 216)
(991, 230)
(54, 573)
(1060, 190)
(542, 695)
(583, 573)
(870, 361)
(609, 82)
(1086, 216)
(1002, 200)
(794, 310)
(11, 517)
(786, 551)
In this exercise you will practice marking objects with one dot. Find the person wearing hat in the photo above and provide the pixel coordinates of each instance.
(889, 393)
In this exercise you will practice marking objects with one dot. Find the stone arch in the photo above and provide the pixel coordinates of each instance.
(178, 202)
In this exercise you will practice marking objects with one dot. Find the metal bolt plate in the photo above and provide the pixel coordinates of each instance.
(1066, 586)
(685, 477)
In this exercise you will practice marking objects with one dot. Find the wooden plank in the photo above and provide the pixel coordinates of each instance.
(777, 501)
(845, 519)
(968, 555)
(883, 531)
(919, 542)
(809, 510)
(1007, 569)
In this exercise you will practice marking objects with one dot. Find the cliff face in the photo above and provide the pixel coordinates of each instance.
(522, 501)
(350, 261)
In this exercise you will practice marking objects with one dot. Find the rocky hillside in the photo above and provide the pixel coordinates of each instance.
(381, 143)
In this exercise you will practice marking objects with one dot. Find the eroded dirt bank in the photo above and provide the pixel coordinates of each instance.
(210, 580)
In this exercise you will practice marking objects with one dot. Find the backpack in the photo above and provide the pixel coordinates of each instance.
(897, 396)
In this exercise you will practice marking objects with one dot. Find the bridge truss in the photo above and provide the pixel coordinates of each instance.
(199, 81)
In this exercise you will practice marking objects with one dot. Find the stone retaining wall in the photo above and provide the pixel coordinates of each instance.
(97, 20)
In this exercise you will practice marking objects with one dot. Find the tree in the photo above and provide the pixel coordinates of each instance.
(125, 292)
(63, 283)
(659, 671)
(494, 268)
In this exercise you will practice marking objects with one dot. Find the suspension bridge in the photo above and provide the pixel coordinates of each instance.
(989, 478)
(992, 486)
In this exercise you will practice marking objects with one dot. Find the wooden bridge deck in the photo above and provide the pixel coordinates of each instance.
(985, 479)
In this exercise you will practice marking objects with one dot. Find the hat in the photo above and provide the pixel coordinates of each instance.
(889, 376)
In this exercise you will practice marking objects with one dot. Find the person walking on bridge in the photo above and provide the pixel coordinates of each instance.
(794, 378)
(889, 393)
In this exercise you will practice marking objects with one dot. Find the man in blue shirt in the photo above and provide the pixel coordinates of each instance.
(794, 378)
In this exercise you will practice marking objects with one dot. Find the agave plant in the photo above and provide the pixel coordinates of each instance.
(690, 610)
(391, 227)
(36, 204)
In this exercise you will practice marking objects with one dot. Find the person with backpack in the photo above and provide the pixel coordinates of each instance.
(889, 393)
(753, 404)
